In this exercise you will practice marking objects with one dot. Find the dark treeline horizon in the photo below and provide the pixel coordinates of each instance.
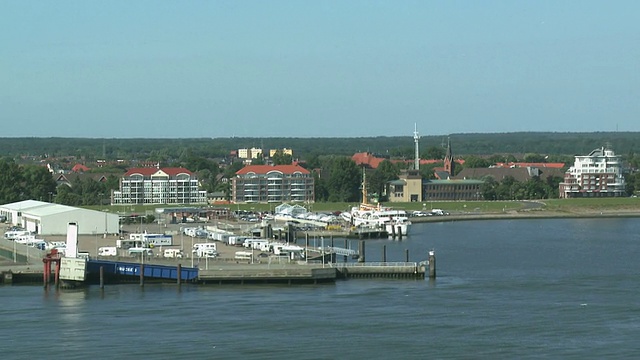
(548, 143)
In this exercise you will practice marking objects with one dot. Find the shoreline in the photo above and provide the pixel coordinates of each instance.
(528, 214)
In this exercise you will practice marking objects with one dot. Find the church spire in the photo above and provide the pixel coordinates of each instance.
(449, 164)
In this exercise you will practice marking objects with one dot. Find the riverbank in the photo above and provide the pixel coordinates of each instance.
(530, 214)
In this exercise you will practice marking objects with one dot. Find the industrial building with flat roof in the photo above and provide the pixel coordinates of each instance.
(51, 219)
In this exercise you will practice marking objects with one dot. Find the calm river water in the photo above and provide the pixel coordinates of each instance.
(565, 288)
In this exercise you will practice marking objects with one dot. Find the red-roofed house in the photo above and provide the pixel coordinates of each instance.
(267, 183)
(159, 186)
(367, 158)
(79, 168)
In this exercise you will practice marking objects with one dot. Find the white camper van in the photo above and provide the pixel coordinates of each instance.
(209, 250)
(173, 253)
(108, 251)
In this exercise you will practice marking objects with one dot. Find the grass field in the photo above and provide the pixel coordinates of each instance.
(557, 205)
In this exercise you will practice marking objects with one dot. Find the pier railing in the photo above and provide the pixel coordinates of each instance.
(371, 264)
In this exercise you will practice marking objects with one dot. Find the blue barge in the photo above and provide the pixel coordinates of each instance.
(121, 270)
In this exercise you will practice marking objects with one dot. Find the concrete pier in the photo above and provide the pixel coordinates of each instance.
(266, 274)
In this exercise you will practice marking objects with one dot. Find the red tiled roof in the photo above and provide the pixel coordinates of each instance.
(151, 171)
(79, 168)
(366, 158)
(263, 169)
(176, 171)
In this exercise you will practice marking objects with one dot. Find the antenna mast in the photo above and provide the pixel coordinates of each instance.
(416, 139)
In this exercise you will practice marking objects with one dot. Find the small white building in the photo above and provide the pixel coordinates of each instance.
(52, 219)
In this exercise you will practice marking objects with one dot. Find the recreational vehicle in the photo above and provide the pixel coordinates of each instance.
(205, 250)
(108, 251)
(127, 244)
(173, 253)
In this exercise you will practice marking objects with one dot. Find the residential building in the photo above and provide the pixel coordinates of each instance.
(284, 151)
(598, 174)
(69, 178)
(159, 186)
(267, 183)
(252, 153)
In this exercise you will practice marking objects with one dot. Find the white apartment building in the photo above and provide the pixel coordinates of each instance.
(598, 174)
(159, 186)
(266, 183)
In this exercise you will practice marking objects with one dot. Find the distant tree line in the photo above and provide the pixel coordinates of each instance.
(169, 150)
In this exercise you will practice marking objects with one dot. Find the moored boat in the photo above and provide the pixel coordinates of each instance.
(368, 215)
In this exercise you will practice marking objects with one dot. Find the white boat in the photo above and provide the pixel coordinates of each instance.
(394, 221)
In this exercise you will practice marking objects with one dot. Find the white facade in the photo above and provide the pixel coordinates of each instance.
(52, 219)
(598, 174)
(159, 186)
(266, 183)
(13, 211)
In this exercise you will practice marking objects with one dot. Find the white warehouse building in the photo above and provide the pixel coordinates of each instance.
(52, 219)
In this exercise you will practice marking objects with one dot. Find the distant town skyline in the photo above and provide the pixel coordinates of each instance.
(222, 69)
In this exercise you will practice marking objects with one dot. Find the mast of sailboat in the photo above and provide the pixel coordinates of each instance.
(364, 186)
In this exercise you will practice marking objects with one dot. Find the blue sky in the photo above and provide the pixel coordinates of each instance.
(165, 69)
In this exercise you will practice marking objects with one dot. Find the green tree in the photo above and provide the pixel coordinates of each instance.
(313, 162)
(344, 180)
(501, 158)
(428, 171)
(65, 196)
(11, 183)
(38, 182)
(434, 152)
(225, 187)
(279, 158)
(402, 152)
(535, 158)
(378, 179)
(231, 170)
(259, 160)
(475, 162)
(489, 188)
(321, 193)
